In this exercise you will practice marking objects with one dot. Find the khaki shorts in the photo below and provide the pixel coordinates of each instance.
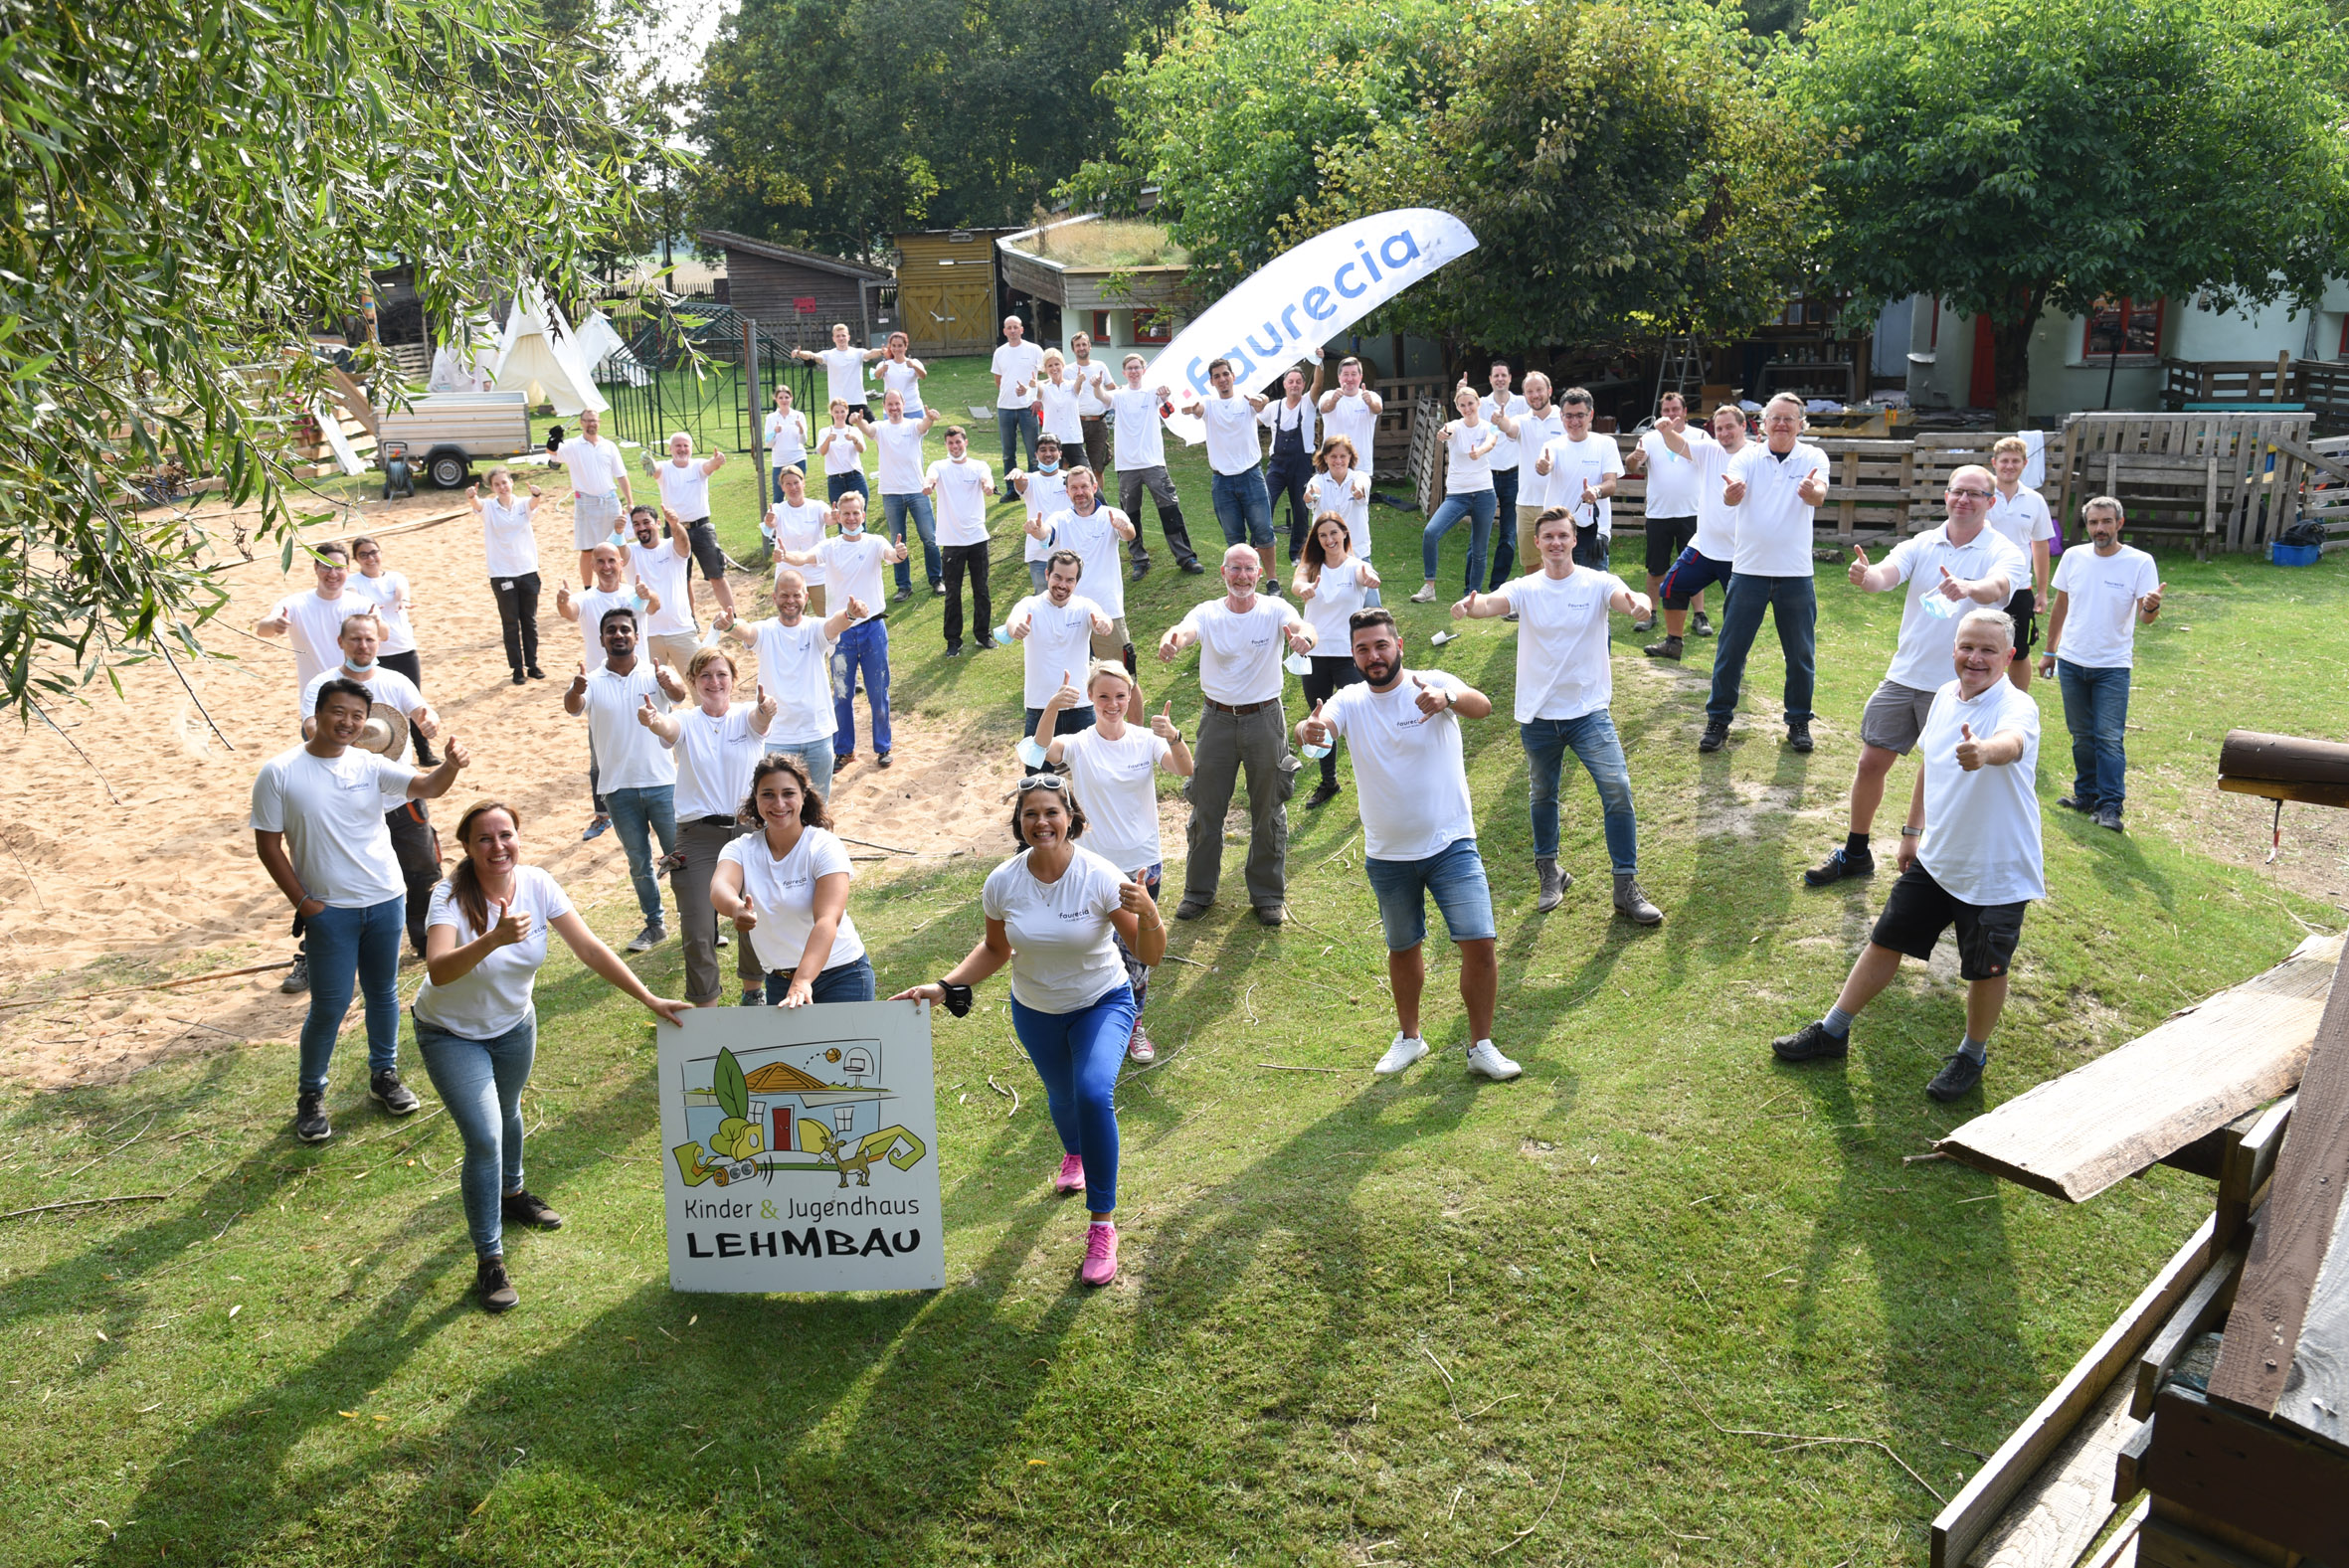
(1528, 550)
(816, 600)
(1112, 646)
(675, 649)
(593, 519)
(1895, 716)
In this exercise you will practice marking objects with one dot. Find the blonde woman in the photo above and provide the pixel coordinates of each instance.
(1057, 397)
(1468, 492)
(842, 446)
(509, 545)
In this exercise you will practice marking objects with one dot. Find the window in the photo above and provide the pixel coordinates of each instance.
(2130, 327)
(1153, 326)
(1101, 329)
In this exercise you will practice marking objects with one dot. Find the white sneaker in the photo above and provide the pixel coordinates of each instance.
(1484, 1057)
(1407, 1048)
(1425, 596)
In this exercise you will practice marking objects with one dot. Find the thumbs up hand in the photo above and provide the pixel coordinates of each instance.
(1431, 700)
(510, 928)
(647, 714)
(1161, 723)
(1950, 586)
(1858, 569)
(1068, 696)
(856, 610)
(766, 708)
(746, 918)
(1969, 749)
(1316, 729)
(2150, 604)
(1133, 897)
(563, 596)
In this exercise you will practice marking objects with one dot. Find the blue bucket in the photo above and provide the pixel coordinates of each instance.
(2281, 554)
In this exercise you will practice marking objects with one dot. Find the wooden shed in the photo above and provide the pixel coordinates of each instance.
(797, 296)
(1098, 275)
(947, 295)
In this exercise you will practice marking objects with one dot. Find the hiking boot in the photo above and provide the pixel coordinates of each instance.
(1193, 908)
(1071, 1176)
(1630, 900)
(1486, 1059)
(1716, 735)
(1141, 569)
(2073, 802)
(1798, 735)
(1958, 1077)
(1272, 914)
(1406, 1049)
(386, 1090)
(753, 997)
(297, 979)
(309, 1120)
(1640, 629)
(1554, 884)
(492, 1284)
(647, 939)
(528, 1209)
(1323, 794)
(1425, 596)
(1842, 863)
(1700, 626)
(1811, 1043)
(1195, 567)
(1669, 648)
(1101, 1254)
(2107, 816)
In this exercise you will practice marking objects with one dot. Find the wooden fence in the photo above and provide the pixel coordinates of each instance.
(2321, 387)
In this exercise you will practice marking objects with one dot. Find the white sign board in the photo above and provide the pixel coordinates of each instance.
(800, 1148)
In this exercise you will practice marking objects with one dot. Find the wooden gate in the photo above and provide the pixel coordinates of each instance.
(947, 314)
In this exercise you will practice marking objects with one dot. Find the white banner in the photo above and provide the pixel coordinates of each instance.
(801, 1149)
(1293, 304)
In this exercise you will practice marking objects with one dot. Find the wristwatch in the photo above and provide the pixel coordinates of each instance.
(1912, 832)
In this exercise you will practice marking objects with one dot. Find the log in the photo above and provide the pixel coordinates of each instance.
(2282, 759)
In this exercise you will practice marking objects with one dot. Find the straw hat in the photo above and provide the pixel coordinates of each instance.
(385, 733)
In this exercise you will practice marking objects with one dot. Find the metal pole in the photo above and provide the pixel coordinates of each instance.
(750, 370)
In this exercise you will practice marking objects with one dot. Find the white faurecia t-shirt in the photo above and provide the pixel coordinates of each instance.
(2022, 521)
(1233, 446)
(852, 566)
(1059, 638)
(1563, 664)
(388, 687)
(714, 761)
(596, 466)
(1063, 955)
(314, 628)
(383, 595)
(1716, 520)
(1019, 367)
(1043, 495)
(331, 811)
(660, 568)
(795, 665)
(1061, 416)
(783, 895)
(1929, 642)
(1671, 478)
(787, 438)
(1095, 542)
(900, 377)
(593, 605)
(509, 548)
(494, 995)
(1410, 783)
(2100, 613)
(1350, 417)
(627, 755)
(1463, 472)
(685, 488)
(1981, 837)
(1241, 651)
(843, 376)
(1351, 501)
(1116, 784)
(1336, 593)
(1137, 439)
(963, 489)
(899, 471)
(1774, 521)
(1572, 464)
(844, 453)
(798, 530)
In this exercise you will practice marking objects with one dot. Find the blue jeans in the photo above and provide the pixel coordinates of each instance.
(843, 982)
(1476, 505)
(1794, 604)
(1016, 426)
(1593, 738)
(865, 648)
(480, 1081)
(640, 816)
(815, 756)
(895, 508)
(1591, 549)
(1243, 508)
(1077, 1055)
(1071, 720)
(1505, 492)
(775, 481)
(341, 944)
(1455, 875)
(2096, 710)
(1138, 973)
(836, 485)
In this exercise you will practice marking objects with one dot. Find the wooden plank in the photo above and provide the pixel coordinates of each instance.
(2264, 1332)
(2205, 1306)
(2309, 794)
(2243, 1174)
(2121, 1549)
(2074, 1136)
(2162, 1544)
(2315, 1397)
(2128, 1476)
(2250, 1474)
(1962, 1525)
(2061, 1510)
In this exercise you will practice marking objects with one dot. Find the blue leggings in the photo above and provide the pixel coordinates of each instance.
(1077, 1055)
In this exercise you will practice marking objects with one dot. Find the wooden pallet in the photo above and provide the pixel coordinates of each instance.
(2214, 481)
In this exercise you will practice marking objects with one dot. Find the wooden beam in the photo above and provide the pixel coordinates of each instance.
(2305, 793)
(2065, 1506)
(2074, 1136)
(2282, 759)
(2316, 1395)
(2244, 1172)
(2250, 1474)
(2311, 457)
(2205, 1306)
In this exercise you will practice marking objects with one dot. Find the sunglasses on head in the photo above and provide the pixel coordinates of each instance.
(1052, 782)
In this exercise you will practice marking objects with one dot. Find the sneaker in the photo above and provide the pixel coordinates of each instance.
(1323, 794)
(1669, 648)
(2107, 816)
(492, 1284)
(1193, 908)
(938, 590)
(309, 1120)
(519, 677)
(1271, 914)
(596, 829)
(528, 1209)
(1508, 620)
(842, 761)
(1071, 1177)
(1101, 1254)
(1840, 865)
(386, 1090)
(1485, 1058)
(1555, 883)
(989, 644)
(1640, 629)
(1714, 738)
(1138, 1046)
(720, 940)
(1798, 736)
(953, 650)
(1407, 1048)
(1630, 900)
(1700, 626)
(647, 939)
(901, 595)
(1425, 596)
(753, 997)
(880, 759)
(1195, 567)
(2073, 802)
(1141, 569)
(1957, 1078)
(1811, 1043)
(297, 979)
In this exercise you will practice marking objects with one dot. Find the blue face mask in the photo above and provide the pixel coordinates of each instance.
(1046, 467)
(355, 667)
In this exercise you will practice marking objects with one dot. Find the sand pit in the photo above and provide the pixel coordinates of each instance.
(133, 861)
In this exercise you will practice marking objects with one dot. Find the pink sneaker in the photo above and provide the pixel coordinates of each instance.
(1072, 1175)
(1101, 1254)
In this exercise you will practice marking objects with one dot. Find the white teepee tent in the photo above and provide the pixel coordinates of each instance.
(606, 358)
(538, 358)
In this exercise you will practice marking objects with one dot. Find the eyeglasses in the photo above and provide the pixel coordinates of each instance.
(1979, 495)
(1052, 782)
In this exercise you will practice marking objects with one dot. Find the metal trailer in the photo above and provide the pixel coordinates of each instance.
(452, 429)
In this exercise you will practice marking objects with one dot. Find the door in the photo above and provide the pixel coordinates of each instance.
(1983, 394)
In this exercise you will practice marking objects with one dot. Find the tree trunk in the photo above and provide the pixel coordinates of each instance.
(2010, 371)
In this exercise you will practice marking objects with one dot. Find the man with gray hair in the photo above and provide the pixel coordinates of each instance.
(1961, 560)
(1969, 854)
(1775, 487)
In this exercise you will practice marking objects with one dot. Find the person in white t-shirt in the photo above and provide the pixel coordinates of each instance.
(1707, 558)
(1140, 448)
(1044, 492)
(716, 741)
(510, 547)
(1469, 444)
(842, 446)
(1340, 485)
(1243, 506)
(852, 564)
(1056, 403)
(388, 594)
(1095, 383)
(1332, 584)
(1291, 419)
(1538, 424)
(1504, 410)
(1018, 365)
(787, 437)
(1674, 480)
(843, 371)
(1418, 830)
(794, 525)
(1352, 411)
(961, 485)
(899, 372)
(2102, 594)
(1579, 470)
(1057, 913)
(638, 778)
(1112, 769)
(1564, 683)
(1093, 531)
(1241, 638)
(1774, 486)
(795, 652)
(599, 486)
(312, 621)
(1055, 631)
(1969, 856)
(476, 1020)
(661, 560)
(2019, 513)
(607, 588)
(685, 481)
(318, 829)
(1948, 569)
(786, 888)
(898, 441)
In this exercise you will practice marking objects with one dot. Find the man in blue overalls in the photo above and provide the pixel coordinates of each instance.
(1290, 421)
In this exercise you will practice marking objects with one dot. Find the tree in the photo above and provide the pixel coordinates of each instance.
(184, 191)
(1627, 173)
(2007, 155)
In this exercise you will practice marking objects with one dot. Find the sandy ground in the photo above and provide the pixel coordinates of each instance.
(132, 860)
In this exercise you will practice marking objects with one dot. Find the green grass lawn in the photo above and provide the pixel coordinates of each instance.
(1357, 1321)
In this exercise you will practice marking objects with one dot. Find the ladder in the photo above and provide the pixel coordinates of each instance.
(1681, 370)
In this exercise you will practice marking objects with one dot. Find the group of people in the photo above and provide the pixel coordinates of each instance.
(733, 784)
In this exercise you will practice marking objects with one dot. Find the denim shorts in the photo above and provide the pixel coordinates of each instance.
(1455, 877)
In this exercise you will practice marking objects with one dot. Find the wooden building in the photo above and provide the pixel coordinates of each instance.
(795, 295)
(948, 296)
(1071, 293)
